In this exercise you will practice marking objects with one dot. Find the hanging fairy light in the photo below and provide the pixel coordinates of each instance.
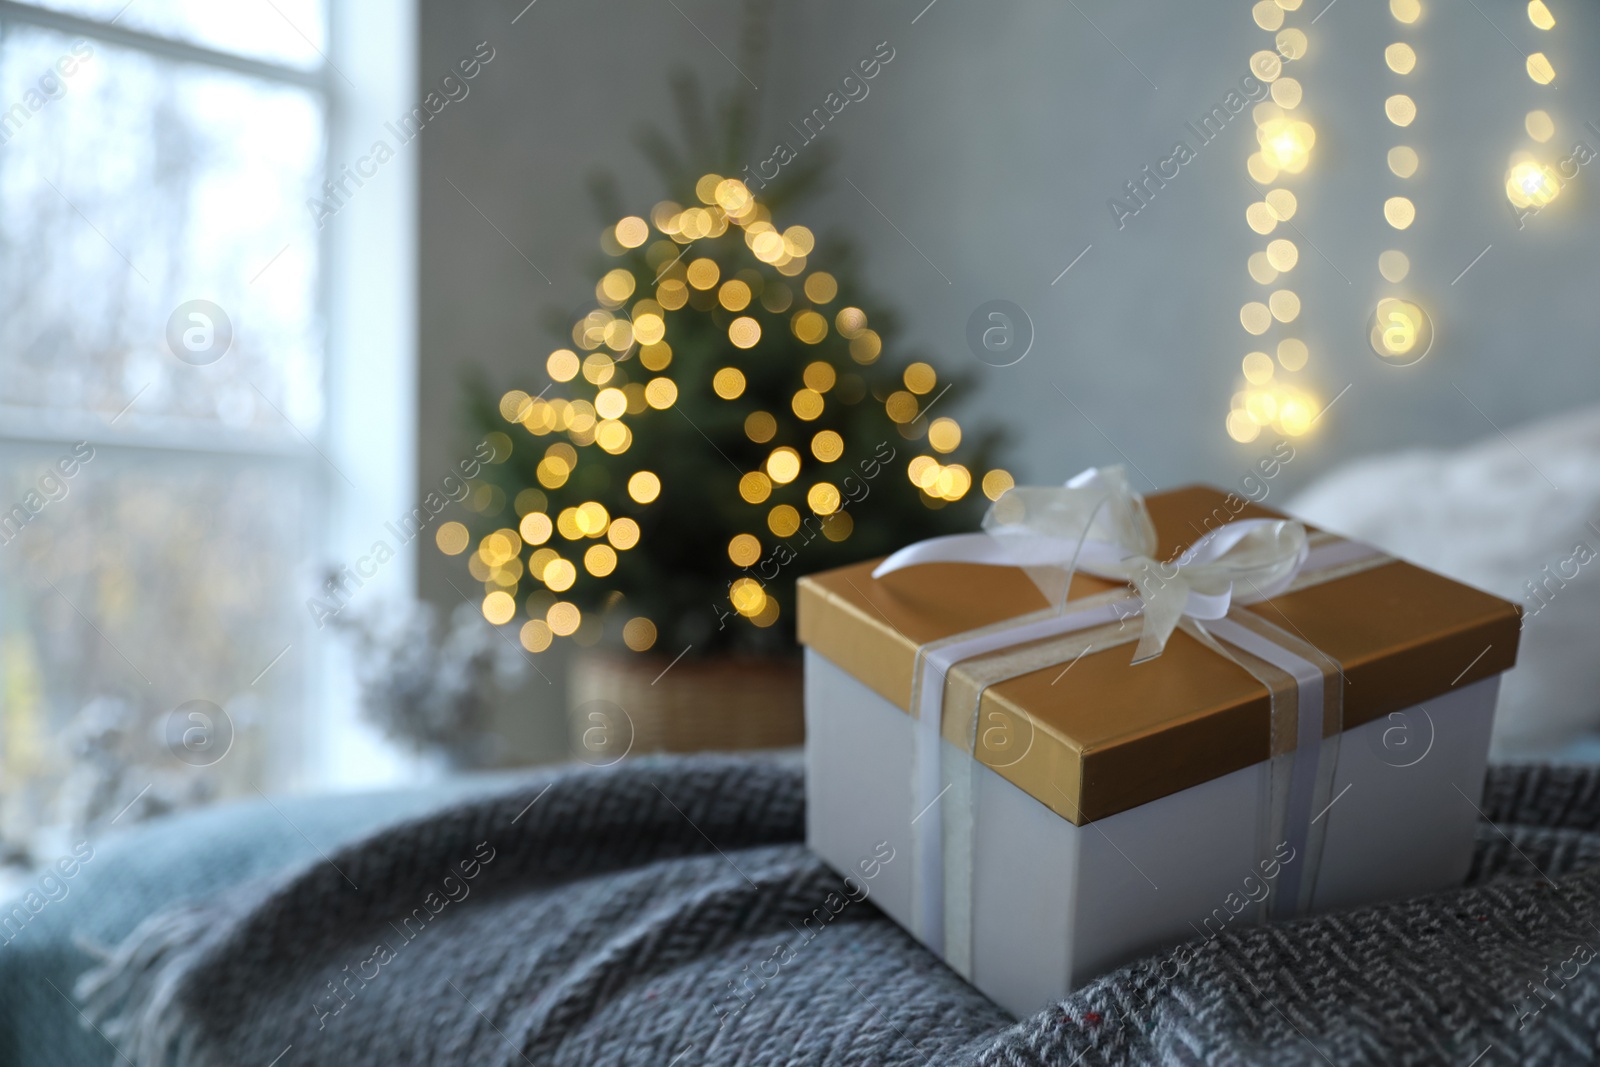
(1270, 397)
(1400, 331)
(1531, 182)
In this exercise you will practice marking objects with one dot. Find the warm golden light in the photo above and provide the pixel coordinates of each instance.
(563, 617)
(866, 346)
(823, 498)
(703, 273)
(953, 482)
(1401, 331)
(1258, 368)
(821, 288)
(1531, 184)
(819, 376)
(1393, 265)
(1293, 354)
(1261, 268)
(734, 295)
(901, 407)
(783, 465)
(920, 378)
(1399, 212)
(500, 546)
(649, 328)
(562, 365)
(1282, 254)
(923, 472)
(850, 322)
(800, 240)
(1403, 161)
(1255, 317)
(997, 482)
(1292, 42)
(610, 403)
(827, 446)
(1286, 143)
(809, 326)
(1400, 57)
(728, 383)
(1242, 428)
(672, 294)
(598, 368)
(452, 538)
(616, 286)
(600, 560)
(1401, 109)
(760, 427)
(744, 550)
(644, 487)
(1260, 218)
(536, 635)
(1540, 16)
(744, 332)
(592, 518)
(783, 520)
(623, 534)
(632, 232)
(660, 393)
(1407, 11)
(807, 404)
(755, 487)
(1261, 169)
(1268, 15)
(559, 574)
(1295, 415)
(1540, 70)
(639, 634)
(747, 596)
(1540, 126)
(733, 196)
(535, 528)
(1287, 93)
(944, 435)
(1284, 305)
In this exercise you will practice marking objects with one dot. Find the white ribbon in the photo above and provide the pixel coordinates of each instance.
(1098, 523)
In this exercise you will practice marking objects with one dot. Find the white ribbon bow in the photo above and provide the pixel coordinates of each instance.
(1098, 523)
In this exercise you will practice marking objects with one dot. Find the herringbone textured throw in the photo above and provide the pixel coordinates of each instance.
(665, 912)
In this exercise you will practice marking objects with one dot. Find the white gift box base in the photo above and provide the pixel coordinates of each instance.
(1055, 905)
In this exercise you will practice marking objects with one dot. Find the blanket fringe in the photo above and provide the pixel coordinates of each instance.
(133, 995)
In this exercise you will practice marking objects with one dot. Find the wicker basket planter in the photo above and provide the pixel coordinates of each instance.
(623, 704)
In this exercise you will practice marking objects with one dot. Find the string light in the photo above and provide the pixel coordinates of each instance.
(1532, 183)
(1400, 331)
(1285, 143)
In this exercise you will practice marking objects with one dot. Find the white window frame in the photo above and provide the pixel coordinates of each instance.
(367, 299)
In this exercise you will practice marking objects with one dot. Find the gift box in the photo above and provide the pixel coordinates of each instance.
(1106, 725)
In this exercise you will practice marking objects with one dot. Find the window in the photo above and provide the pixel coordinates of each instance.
(171, 479)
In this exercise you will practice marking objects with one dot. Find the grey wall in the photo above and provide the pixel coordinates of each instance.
(993, 141)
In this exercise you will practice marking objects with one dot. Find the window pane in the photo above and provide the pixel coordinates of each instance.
(154, 579)
(143, 185)
(288, 32)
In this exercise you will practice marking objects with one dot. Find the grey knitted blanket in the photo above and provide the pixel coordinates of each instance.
(666, 912)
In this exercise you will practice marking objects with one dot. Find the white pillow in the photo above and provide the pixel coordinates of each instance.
(1519, 516)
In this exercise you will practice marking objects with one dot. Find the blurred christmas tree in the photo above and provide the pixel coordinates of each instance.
(728, 417)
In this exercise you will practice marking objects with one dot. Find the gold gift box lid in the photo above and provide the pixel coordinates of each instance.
(1107, 735)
